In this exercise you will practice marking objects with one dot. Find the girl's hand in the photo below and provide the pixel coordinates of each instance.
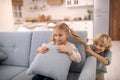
(42, 50)
(63, 48)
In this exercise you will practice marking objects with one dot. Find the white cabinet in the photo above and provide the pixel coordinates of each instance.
(74, 3)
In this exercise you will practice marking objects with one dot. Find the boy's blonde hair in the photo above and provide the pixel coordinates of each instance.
(104, 39)
(65, 27)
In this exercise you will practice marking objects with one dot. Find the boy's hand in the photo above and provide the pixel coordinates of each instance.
(88, 49)
(42, 50)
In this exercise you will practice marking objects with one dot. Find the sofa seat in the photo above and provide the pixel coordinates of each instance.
(23, 76)
(73, 76)
(8, 72)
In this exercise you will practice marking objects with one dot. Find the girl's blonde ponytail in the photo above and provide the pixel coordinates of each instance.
(77, 37)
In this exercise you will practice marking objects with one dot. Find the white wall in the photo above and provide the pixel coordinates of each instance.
(56, 11)
(6, 16)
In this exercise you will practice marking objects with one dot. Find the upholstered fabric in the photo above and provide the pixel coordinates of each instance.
(3, 56)
(23, 76)
(16, 46)
(20, 48)
(52, 64)
(8, 72)
(89, 69)
(38, 38)
(76, 67)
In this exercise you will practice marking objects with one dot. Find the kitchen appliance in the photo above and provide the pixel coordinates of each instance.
(101, 17)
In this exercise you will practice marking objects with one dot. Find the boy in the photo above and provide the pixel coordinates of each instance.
(101, 50)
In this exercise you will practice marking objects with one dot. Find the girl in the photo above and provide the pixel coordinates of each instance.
(101, 50)
(59, 38)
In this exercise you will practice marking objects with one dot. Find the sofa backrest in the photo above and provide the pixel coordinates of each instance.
(40, 37)
(76, 67)
(17, 46)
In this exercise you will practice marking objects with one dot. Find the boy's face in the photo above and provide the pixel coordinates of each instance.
(99, 47)
(60, 36)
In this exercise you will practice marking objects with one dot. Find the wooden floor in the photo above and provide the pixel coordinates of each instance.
(114, 67)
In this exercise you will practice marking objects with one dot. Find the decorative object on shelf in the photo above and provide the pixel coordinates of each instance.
(29, 19)
(42, 18)
(48, 18)
(89, 14)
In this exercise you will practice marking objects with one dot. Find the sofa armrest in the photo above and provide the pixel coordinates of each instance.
(89, 69)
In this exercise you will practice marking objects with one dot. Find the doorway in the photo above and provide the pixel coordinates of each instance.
(114, 30)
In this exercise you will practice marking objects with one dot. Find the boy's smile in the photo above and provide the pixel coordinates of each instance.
(99, 47)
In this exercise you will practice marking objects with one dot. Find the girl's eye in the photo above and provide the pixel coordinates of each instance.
(60, 35)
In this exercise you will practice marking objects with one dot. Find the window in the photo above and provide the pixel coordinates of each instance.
(17, 11)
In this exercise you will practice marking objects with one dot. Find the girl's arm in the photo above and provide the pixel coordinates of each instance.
(43, 49)
(75, 57)
(99, 57)
(72, 52)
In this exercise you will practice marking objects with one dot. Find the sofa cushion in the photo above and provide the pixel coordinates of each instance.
(52, 64)
(8, 72)
(73, 76)
(76, 67)
(17, 47)
(38, 38)
(3, 56)
(23, 76)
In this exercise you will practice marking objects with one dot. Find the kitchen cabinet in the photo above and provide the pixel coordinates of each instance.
(75, 3)
(17, 10)
(51, 2)
(17, 2)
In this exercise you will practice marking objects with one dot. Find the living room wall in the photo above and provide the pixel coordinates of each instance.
(6, 16)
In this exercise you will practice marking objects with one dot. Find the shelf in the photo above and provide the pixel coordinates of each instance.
(51, 2)
(37, 5)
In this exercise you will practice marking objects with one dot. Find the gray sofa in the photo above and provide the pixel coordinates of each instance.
(20, 48)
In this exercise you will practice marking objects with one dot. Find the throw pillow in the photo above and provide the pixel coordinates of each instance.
(2, 56)
(52, 64)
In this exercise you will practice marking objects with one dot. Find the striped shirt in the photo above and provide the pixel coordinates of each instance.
(100, 66)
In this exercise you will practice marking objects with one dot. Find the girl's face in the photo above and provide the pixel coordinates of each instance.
(60, 36)
(99, 47)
